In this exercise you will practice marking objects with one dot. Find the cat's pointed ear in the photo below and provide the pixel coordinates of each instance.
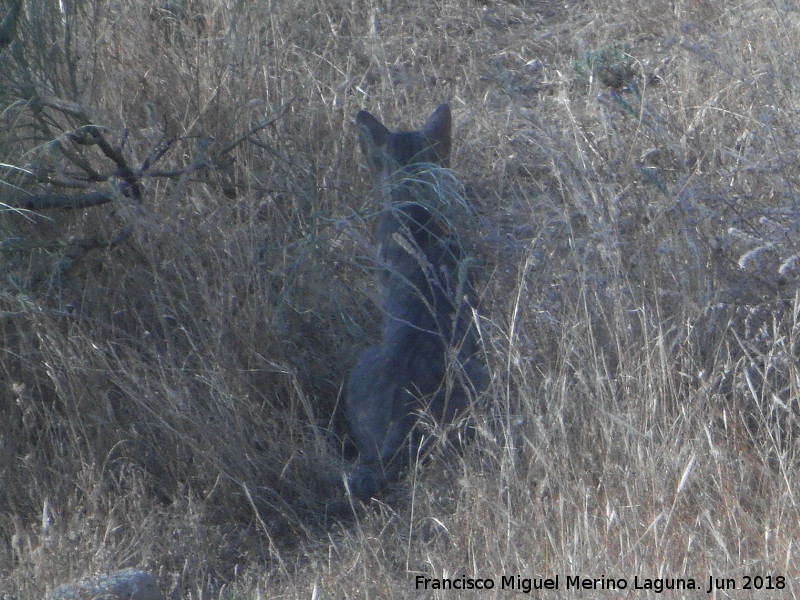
(372, 137)
(371, 132)
(438, 129)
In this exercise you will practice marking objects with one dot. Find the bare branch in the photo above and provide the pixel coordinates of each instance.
(96, 138)
(65, 201)
(258, 127)
(129, 184)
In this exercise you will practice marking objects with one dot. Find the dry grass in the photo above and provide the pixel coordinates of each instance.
(170, 401)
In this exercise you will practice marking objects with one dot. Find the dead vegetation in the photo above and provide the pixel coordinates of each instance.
(184, 240)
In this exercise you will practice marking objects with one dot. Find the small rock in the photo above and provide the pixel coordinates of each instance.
(128, 584)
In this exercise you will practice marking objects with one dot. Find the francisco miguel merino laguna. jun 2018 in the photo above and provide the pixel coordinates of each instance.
(659, 584)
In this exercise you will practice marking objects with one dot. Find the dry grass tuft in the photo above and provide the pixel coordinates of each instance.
(173, 356)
